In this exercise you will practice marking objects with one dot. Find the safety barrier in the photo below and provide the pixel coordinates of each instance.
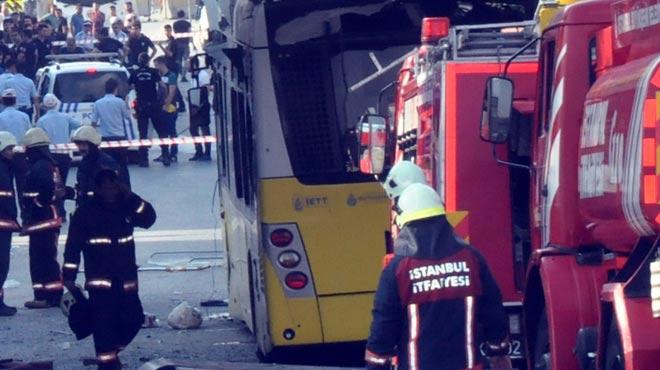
(134, 143)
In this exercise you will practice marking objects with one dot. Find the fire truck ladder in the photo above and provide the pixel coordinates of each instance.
(488, 41)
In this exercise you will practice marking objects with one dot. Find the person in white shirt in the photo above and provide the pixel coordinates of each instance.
(117, 33)
(113, 15)
(85, 38)
(58, 126)
(11, 119)
(130, 15)
(27, 99)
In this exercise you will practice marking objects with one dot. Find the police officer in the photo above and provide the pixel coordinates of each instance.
(93, 161)
(111, 115)
(433, 295)
(16, 122)
(200, 110)
(8, 212)
(25, 91)
(110, 267)
(58, 126)
(168, 113)
(43, 189)
(145, 81)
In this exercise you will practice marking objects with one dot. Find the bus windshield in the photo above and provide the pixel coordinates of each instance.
(331, 63)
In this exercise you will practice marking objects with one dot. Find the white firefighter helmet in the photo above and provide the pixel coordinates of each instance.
(418, 201)
(35, 137)
(87, 133)
(6, 140)
(402, 175)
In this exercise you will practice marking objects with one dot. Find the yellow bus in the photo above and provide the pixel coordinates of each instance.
(305, 232)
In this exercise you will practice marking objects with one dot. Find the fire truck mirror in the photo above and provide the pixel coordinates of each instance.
(497, 108)
(372, 139)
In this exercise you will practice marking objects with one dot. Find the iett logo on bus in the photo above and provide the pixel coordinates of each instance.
(300, 202)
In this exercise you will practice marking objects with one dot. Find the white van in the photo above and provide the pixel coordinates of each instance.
(79, 84)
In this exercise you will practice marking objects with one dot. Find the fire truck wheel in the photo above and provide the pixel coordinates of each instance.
(614, 359)
(542, 359)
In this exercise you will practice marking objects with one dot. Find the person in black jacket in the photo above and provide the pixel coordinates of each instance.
(145, 81)
(437, 300)
(110, 268)
(41, 222)
(8, 212)
(94, 160)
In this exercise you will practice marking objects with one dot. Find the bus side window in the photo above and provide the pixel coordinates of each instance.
(236, 116)
(221, 117)
(246, 148)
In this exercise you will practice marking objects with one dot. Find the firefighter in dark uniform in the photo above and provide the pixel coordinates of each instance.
(110, 268)
(94, 160)
(8, 212)
(43, 189)
(437, 300)
(145, 81)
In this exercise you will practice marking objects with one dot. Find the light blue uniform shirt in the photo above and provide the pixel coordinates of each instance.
(14, 121)
(58, 126)
(25, 89)
(111, 114)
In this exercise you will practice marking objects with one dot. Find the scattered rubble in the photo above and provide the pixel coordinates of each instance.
(150, 321)
(184, 316)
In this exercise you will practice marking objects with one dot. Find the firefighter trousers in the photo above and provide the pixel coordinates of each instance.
(5, 249)
(44, 268)
(117, 317)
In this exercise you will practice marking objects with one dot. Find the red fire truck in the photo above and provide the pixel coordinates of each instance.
(593, 280)
(435, 113)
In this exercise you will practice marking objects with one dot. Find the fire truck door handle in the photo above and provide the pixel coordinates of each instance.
(544, 191)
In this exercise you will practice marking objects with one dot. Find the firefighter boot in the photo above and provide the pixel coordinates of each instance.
(39, 304)
(7, 310)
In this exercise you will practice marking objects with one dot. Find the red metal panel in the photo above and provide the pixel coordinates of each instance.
(474, 181)
(638, 329)
(572, 295)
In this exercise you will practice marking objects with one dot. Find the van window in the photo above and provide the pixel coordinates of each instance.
(84, 87)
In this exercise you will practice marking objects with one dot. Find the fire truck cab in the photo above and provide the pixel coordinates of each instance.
(593, 196)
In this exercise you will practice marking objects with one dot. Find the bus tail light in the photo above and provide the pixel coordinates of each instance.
(288, 259)
(281, 238)
(284, 244)
(296, 280)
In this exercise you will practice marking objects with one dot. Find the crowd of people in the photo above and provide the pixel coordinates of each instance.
(27, 44)
(35, 179)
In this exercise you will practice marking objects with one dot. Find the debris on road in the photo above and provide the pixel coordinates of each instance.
(184, 316)
(150, 321)
(11, 364)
